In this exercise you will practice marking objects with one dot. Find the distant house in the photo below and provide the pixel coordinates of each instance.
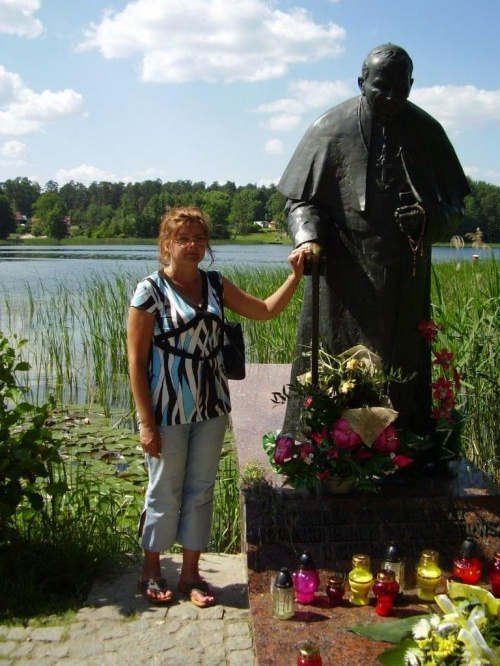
(21, 219)
(262, 223)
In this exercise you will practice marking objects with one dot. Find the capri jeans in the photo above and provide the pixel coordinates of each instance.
(179, 498)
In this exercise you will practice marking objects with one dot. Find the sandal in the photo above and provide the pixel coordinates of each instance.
(156, 585)
(202, 588)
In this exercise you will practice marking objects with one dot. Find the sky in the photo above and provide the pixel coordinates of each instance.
(218, 90)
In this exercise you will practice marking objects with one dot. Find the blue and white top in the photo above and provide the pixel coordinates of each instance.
(186, 374)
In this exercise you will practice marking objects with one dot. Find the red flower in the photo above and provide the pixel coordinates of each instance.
(362, 454)
(402, 461)
(387, 441)
(305, 450)
(322, 476)
(344, 436)
(283, 451)
(308, 402)
(443, 358)
(318, 437)
(429, 330)
(332, 453)
(442, 389)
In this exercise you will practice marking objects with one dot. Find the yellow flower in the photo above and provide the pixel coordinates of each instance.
(352, 364)
(305, 379)
(346, 386)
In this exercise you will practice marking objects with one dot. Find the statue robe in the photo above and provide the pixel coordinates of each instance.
(368, 293)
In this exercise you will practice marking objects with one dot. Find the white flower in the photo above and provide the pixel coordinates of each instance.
(421, 629)
(414, 657)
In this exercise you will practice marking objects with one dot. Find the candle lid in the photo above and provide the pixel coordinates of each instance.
(386, 576)
(336, 578)
(309, 649)
(361, 560)
(306, 561)
(468, 548)
(428, 556)
(283, 579)
(392, 553)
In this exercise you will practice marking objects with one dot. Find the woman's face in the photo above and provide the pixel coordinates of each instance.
(188, 244)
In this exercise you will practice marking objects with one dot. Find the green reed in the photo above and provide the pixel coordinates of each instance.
(466, 302)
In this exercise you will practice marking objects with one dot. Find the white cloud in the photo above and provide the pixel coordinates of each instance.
(86, 174)
(16, 18)
(304, 96)
(478, 173)
(460, 108)
(274, 147)
(14, 150)
(23, 111)
(212, 40)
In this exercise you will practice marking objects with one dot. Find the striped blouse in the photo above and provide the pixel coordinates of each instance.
(186, 376)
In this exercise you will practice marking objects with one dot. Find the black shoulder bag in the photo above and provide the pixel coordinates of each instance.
(233, 345)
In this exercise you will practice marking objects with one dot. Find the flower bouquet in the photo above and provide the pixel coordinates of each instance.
(347, 421)
(467, 633)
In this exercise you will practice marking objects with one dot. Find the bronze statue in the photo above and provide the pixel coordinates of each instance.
(372, 185)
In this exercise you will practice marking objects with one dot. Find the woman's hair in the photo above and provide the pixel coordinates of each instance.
(171, 223)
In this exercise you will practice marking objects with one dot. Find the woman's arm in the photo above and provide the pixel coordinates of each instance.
(251, 307)
(139, 337)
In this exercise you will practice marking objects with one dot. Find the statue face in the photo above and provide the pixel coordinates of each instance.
(386, 87)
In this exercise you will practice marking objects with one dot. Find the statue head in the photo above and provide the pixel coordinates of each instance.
(386, 80)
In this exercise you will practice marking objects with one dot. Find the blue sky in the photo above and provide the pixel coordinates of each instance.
(216, 90)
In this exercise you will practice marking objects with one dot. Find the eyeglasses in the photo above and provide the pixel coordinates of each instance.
(186, 240)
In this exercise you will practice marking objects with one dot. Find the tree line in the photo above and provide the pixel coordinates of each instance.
(134, 210)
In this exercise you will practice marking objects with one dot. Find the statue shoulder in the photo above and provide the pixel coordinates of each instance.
(334, 120)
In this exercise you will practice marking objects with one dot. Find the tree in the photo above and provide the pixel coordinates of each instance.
(275, 210)
(22, 194)
(217, 205)
(243, 209)
(55, 222)
(7, 218)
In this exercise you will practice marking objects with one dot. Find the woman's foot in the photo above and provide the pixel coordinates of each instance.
(155, 590)
(198, 592)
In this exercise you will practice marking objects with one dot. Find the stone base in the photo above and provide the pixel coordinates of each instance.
(414, 510)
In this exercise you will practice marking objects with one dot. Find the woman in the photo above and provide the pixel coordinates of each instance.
(181, 393)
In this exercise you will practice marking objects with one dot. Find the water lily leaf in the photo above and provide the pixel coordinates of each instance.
(391, 632)
(395, 656)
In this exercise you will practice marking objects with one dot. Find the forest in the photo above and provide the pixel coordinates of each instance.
(133, 210)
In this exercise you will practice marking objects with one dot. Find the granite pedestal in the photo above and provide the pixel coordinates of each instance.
(414, 510)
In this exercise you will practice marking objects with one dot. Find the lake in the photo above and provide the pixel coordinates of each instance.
(51, 264)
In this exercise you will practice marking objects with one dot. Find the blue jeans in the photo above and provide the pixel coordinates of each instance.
(179, 499)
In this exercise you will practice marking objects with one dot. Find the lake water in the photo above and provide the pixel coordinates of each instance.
(51, 264)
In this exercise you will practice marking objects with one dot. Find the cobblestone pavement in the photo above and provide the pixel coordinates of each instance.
(119, 627)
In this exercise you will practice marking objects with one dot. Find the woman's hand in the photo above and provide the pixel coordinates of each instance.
(150, 440)
(297, 259)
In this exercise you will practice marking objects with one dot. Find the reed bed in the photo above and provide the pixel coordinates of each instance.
(466, 302)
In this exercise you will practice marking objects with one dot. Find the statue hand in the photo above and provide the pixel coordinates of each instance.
(315, 256)
(411, 220)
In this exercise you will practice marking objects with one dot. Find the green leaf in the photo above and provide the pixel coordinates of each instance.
(395, 656)
(391, 632)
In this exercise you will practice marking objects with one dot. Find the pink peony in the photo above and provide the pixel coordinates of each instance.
(402, 461)
(344, 435)
(283, 450)
(387, 441)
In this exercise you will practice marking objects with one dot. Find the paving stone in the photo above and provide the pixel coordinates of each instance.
(239, 642)
(214, 655)
(18, 634)
(237, 629)
(48, 634)
(212, 613)
(183, 612)
(178, 656)
(23, 650)
(53, 651)
(188, 636)
(6, 647)
(4, 630)
(84, 647)
(241, 658)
